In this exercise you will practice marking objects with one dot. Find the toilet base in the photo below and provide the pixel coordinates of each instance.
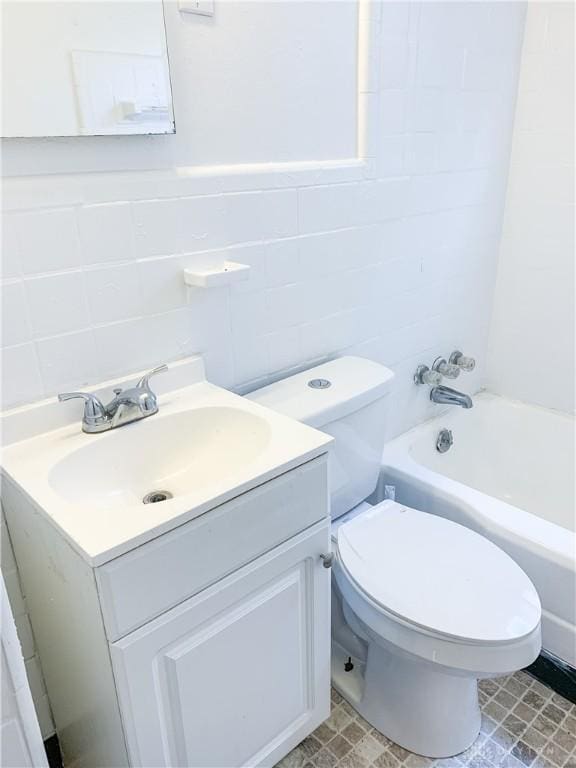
(423, 709)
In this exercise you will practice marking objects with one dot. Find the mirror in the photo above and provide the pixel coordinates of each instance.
(85, 68)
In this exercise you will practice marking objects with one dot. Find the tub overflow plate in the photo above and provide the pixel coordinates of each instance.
(444, 441)
(319, 383)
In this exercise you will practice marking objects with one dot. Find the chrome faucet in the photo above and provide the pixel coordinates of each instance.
(448, 396)
(450, 368)
(128, 405)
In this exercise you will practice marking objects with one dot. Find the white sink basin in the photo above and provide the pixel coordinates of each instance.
(177, 453)
(204, 447)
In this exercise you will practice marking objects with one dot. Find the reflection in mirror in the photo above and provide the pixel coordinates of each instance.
(85, 68)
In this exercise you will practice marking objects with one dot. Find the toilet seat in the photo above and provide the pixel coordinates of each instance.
(436, 577)
(437, 606)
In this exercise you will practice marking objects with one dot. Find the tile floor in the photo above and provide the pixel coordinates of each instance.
(524, 723)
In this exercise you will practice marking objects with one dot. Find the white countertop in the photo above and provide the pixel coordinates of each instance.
(102, 532)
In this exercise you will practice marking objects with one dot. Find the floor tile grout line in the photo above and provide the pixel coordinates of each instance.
(363, 747)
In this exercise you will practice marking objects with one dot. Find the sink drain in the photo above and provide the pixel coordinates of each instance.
(155, 496)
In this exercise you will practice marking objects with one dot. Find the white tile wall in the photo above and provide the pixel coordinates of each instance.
(398, 266)
(47, 241)
(532, 338)
(389, 267)
(95, 290)
(25, 635)
(106, 232)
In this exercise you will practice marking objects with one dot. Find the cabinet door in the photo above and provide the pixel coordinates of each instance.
(238, 674)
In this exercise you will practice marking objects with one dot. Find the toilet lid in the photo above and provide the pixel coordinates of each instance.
(438, 575)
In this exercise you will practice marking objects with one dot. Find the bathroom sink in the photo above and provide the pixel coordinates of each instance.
(112, 491)
(162, 458)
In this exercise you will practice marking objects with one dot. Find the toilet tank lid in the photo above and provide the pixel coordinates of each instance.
(354, 382)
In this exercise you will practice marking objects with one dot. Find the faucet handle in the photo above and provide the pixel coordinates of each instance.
(94, 410)
(463, 362)
(424, 375)
(450, 370)
(144, 382)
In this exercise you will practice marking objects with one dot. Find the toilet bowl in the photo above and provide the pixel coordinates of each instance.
(438, 606)
(421, 607)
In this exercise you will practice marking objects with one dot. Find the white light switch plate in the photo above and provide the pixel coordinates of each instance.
(201, 7)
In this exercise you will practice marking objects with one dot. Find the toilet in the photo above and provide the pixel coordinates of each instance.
(421, 607)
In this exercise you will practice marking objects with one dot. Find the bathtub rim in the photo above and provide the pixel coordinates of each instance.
(543, 538)
(544, 546)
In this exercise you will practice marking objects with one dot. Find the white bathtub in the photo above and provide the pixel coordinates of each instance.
(510, 476)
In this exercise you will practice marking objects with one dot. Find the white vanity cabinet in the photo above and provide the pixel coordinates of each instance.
(206, 646)
(233, 675)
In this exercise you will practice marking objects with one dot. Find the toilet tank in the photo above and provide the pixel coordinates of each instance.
(347, 399)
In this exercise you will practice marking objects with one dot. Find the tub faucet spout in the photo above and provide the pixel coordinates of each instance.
(447, 396)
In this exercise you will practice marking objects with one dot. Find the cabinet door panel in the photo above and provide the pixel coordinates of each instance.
(237, 675)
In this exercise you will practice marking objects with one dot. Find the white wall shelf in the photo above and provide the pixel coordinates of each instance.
(215, 277)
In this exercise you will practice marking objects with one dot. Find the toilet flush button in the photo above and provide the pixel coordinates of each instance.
(319, 383)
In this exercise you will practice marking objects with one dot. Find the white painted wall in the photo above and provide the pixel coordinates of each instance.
(532, 338)
(226, 110)
(392, 256)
